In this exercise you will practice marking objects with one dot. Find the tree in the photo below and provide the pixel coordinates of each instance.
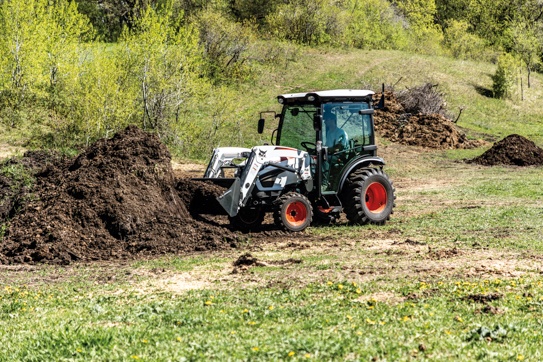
(426, 34)
(504, 78)
(38, 49)
(164, 60)
(527, 44)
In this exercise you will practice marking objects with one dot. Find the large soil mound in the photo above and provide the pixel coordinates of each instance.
(117, 199)
(418, 129)
(512, 150)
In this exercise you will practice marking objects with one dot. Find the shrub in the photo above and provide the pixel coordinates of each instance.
(461, 43)
(225, 45)
(503, 80)
(373, 24)
(310, 22)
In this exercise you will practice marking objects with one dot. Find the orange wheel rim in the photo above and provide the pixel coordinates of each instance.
(376, 197)
(296, 213)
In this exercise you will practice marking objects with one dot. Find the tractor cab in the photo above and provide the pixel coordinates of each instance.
(334, 127)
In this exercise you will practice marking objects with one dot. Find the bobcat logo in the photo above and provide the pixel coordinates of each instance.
(262, 153)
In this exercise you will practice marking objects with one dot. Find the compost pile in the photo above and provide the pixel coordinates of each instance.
(512, 150)
(420, 121)
(117, 199)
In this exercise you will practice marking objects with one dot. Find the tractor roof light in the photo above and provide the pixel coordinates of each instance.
(281, 99)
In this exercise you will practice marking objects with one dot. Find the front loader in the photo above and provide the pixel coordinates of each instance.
(309, 174)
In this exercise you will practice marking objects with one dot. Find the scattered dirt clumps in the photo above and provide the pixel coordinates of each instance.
(513, 150)
(432, 130)
(117, 199)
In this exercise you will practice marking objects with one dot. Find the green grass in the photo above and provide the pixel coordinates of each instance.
(488, 319)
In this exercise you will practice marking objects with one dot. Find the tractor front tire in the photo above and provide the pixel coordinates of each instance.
(369, 197)
(294, 212)
(248, 219)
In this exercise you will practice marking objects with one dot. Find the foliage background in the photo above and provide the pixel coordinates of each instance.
(189, 70)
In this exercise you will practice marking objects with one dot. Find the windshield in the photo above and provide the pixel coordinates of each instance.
(297, 126)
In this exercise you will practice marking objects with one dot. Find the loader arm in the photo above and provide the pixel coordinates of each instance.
(262, 157)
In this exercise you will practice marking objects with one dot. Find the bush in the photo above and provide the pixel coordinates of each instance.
(226, 46)
(373, 25)
(310, 22)
(461, 43)
(503, 81)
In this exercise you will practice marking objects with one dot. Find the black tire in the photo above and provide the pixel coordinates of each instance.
(369, 197)
(248, 219)
(293, 212)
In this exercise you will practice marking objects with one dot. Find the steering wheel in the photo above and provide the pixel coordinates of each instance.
(309, 146)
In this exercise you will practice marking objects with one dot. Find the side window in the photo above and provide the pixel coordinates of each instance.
(356, 126)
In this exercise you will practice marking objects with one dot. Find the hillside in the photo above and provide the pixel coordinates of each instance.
(465, 84)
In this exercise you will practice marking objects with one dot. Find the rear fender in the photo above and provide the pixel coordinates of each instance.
(359, 163)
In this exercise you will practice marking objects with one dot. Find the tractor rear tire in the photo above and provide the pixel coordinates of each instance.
(294, 212)
(248, 219)
(369, 197)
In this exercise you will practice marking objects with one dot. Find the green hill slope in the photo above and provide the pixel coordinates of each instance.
(466, 84)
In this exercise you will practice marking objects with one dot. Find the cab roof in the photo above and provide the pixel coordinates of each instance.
(326, 96)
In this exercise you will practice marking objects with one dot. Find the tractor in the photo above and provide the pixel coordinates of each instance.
(322, 161)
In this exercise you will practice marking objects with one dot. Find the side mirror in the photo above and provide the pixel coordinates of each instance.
(317, 122)
(261, 125)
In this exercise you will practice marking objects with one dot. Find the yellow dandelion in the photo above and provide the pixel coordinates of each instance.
(329, 283)
(134, 357)
(520, 357)
(251, 323)
(358, 291)
(270, 307)
(340, 286)
(307, 355)
(233, 332)
(359, 333)
(354, 284)
(458, 319)
(79, 350)
(255, 349)
(208, 302)
(382, 323)
(144, 341)
(179, 339)
(246, 311)
(349, 317)
(369, 321)
(291, 353)
(447, 332)
(406, 318)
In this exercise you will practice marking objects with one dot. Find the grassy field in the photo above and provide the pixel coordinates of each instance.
(455, 275)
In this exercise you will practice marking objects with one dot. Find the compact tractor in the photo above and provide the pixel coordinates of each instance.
(322, 161)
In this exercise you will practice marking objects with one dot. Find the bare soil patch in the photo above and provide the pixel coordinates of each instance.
(513, 150)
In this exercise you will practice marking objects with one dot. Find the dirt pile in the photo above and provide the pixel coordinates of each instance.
(117, 199)
(420, 129)
(512, 150)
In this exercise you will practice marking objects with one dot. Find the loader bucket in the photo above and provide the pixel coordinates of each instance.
(230, 199)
